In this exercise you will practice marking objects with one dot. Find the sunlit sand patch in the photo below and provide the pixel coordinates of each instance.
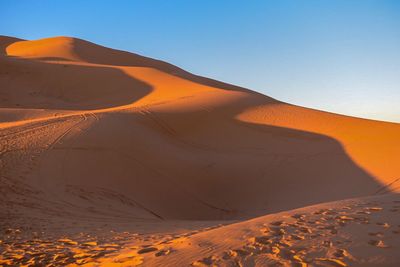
(281, 242)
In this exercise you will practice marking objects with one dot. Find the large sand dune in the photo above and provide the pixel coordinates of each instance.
(93, 132)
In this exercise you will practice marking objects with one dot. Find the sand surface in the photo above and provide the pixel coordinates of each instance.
(149, 164)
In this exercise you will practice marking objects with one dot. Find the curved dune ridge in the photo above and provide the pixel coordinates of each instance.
(110, 132)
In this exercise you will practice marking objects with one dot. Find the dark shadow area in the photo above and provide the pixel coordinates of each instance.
(6, 41)
(57, 59)
(241, 170)
(33, 84)
(202, 166)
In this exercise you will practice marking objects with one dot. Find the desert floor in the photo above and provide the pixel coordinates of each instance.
(355, 232)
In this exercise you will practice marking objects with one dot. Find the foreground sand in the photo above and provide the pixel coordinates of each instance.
(140, 159)
(356, 232)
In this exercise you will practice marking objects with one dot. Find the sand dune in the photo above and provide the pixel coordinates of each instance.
(92, 132)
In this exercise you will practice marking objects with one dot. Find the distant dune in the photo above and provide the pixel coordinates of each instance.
(88, 131)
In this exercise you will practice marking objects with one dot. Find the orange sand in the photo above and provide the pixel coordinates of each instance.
(91, 132)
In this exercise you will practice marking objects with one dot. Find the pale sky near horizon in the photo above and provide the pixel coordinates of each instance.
(341, 56)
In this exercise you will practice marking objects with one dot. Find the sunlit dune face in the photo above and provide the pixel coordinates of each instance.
(374, 145)
(58, 47)
(167, 88)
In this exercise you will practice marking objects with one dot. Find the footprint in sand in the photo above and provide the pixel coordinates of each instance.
(383, 224)
(297, 237)
(298, 216)
(341, 253)
(89, 244)
(275, 250)
(243, 252)
(129, 261)
(277, 223)
(305, 230)
(378, 243)
(147, 250)
(344, 218)
(363, 212)
(377, 234)
(327, 243)
(319, 211)
(68, 241)
(329, 212)
(373, 209)
(229, 255)
(277, 231)
(298, 261)
(163, 252)
(263, 240)
(205, 261)
(362, 220)
(313, 222)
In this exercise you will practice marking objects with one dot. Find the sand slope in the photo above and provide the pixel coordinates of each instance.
(92, 138)
(356, 232)
(183, 146)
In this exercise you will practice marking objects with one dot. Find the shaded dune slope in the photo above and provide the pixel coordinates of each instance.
(5, 41)
(159, 142)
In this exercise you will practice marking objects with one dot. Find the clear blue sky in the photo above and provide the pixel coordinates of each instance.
(341, 56)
